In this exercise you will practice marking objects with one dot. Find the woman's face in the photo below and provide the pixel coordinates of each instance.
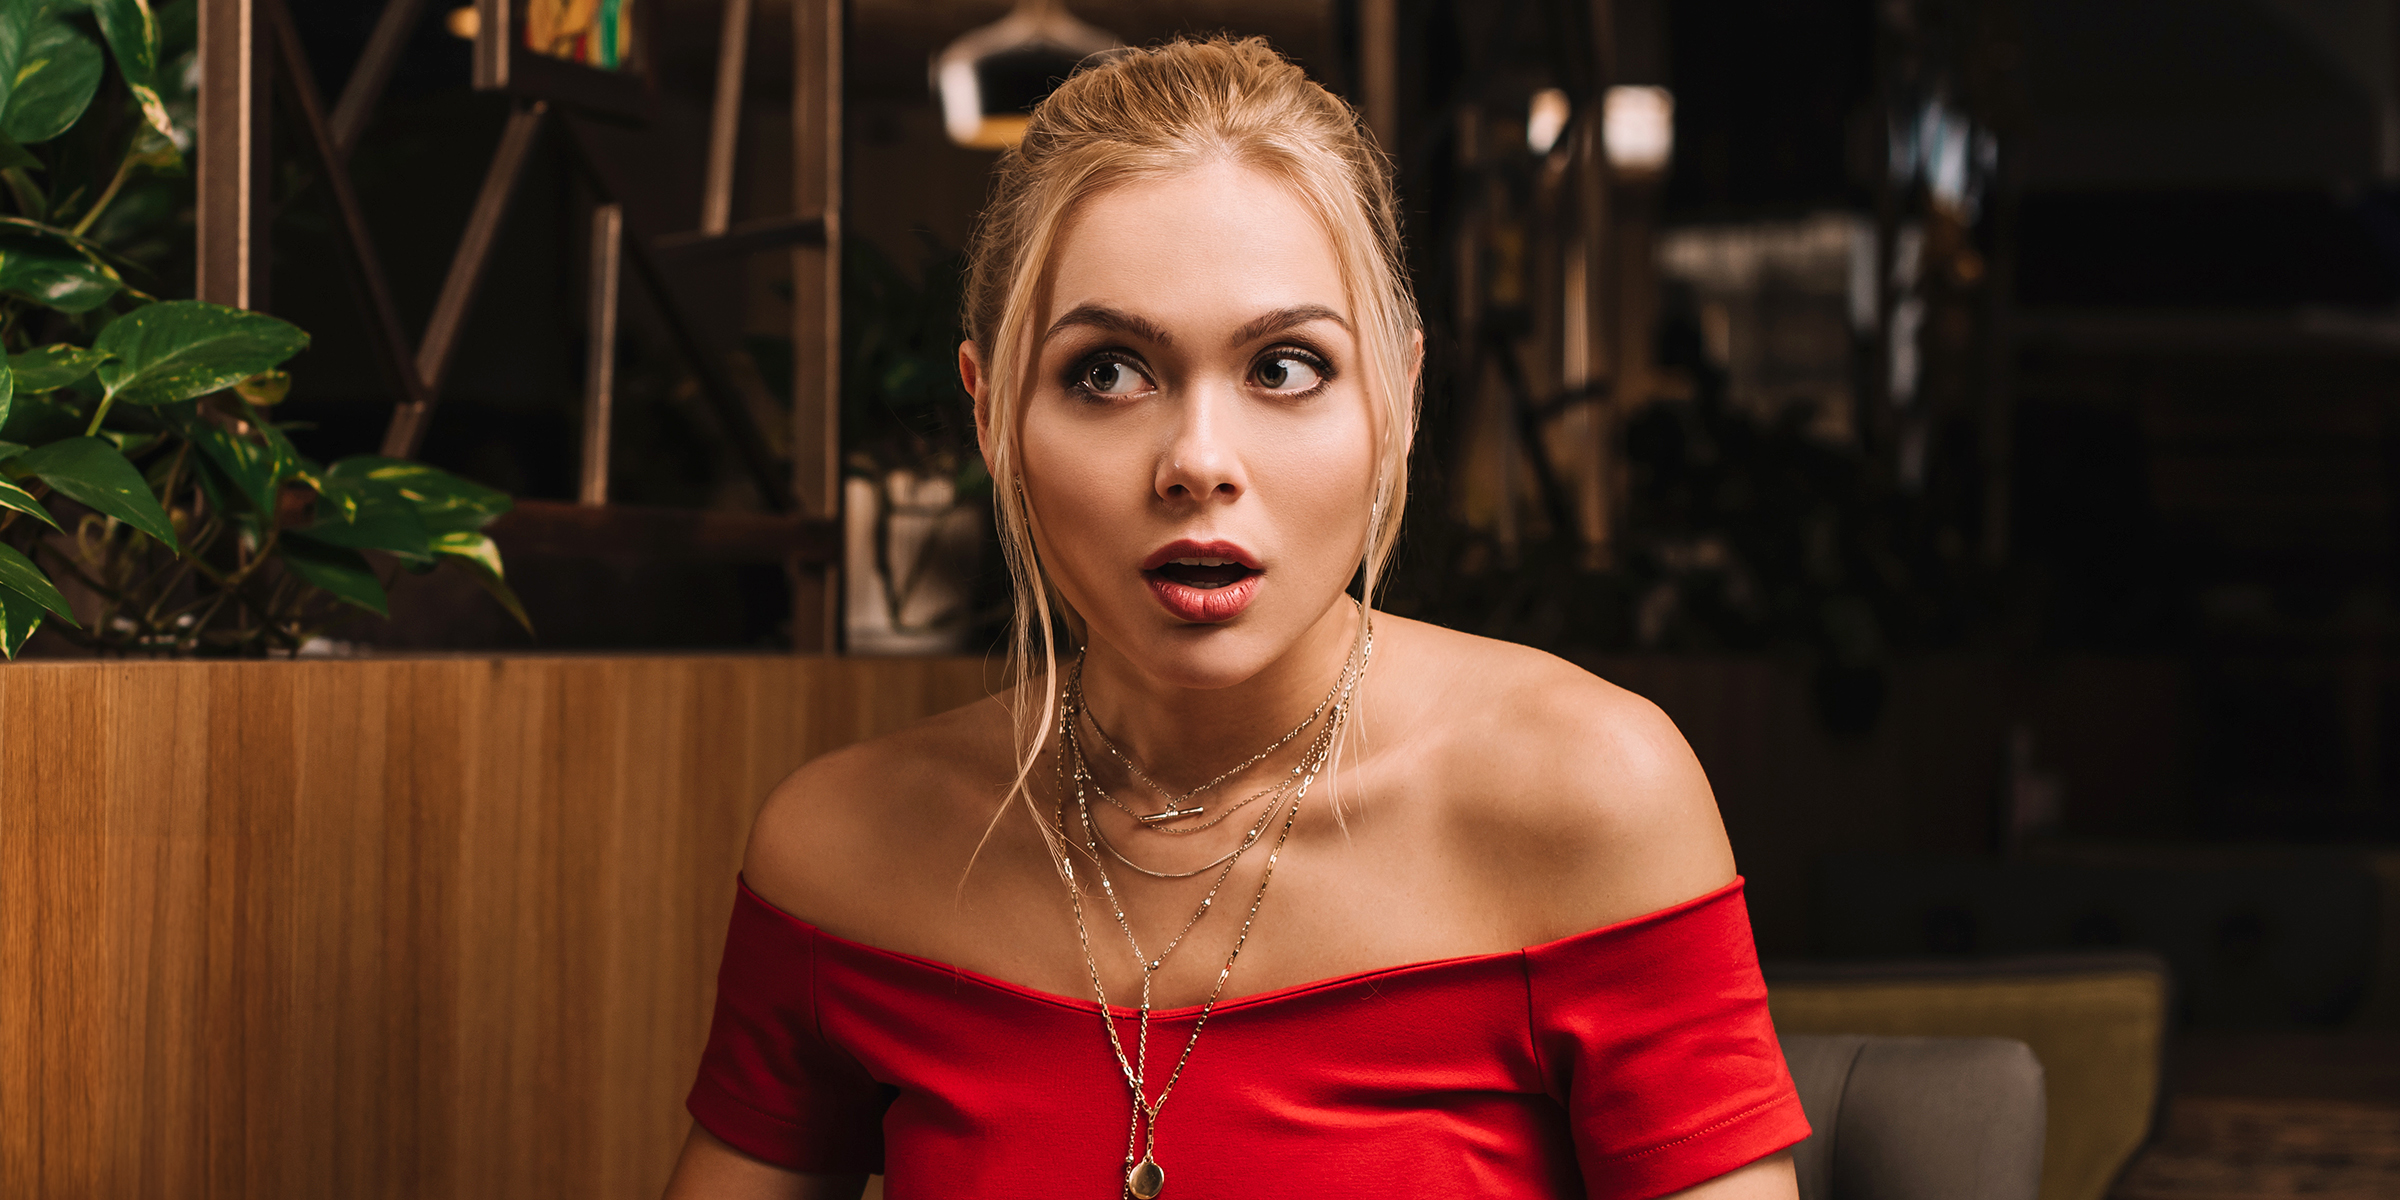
(1197, 447)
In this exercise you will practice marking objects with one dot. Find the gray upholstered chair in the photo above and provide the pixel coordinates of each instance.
(1918, 1118)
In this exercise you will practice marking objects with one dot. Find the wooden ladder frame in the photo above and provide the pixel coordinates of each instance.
(242, 42)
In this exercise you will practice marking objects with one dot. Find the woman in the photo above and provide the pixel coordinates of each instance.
(1376, 907)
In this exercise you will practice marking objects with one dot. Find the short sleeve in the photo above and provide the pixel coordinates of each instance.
(1654, 1034)
(771, 1085)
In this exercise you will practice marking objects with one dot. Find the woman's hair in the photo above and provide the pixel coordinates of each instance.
(1151, 114)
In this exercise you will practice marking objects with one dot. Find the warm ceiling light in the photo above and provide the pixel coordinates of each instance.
(990, 79)
(1638, 126)
(1545, 119)
(463, 22)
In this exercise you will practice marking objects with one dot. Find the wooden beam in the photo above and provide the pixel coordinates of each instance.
(1379, 70)
(366, 266)
(706, 349)
(644, 534)
(817, 305)
(373, 72)
(234, 193)
(600, 359)
(749, 237)
(407, 430)
(495, 23)
(725, 120)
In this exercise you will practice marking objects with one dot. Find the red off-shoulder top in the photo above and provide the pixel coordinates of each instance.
(1628, 1062)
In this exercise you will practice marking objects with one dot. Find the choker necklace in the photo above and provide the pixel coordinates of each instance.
(1175, 804)
(1318, 749)
(1144, 1178)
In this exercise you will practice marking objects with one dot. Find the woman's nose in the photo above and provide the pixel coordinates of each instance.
(1200, 460)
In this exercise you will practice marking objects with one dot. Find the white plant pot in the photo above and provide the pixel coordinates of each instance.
(915, 597)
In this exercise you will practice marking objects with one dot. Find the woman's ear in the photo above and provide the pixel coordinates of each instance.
(970, 376)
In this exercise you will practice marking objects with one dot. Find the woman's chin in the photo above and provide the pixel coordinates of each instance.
(1207, 656)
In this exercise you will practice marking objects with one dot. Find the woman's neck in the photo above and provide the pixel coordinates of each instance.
(1183, 737)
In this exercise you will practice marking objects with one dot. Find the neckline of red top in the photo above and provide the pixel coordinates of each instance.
(1253, 999)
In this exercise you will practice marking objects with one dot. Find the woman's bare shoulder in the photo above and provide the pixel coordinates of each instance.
(836, 842)
(1577, 797)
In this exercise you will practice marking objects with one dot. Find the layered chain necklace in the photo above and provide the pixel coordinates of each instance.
(1144, 1178)
(1175, 809)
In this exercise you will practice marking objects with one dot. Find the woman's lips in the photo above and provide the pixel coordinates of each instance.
(1203, 582)
(1202, 601)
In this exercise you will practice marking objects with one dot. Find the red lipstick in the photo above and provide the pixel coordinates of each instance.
(1202, 582)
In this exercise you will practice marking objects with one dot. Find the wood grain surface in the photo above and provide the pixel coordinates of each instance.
(384, 928)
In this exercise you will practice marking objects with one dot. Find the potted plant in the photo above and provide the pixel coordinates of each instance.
(915, 496)
(148, 500)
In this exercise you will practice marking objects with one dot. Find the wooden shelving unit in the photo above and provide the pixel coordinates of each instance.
(249, 48)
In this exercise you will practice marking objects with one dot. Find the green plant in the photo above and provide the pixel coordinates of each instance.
(902, 406)
(138, 463)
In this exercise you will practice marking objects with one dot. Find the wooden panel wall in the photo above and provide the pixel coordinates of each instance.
(384, 928)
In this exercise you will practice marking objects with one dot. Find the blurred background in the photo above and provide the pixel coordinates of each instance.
(1974, 421)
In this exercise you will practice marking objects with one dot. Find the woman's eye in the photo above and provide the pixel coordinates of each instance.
(1108, 377)
(1287, 373)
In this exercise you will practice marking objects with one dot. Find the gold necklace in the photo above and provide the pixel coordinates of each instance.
(1145, 1179)
(1175, 804)
(1316, 749)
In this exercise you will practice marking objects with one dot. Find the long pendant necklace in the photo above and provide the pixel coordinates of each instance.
(1144, 1178)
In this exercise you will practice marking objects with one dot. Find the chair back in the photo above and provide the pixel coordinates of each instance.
(1918, 1118)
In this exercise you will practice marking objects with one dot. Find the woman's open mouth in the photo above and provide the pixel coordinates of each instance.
(1203, 583)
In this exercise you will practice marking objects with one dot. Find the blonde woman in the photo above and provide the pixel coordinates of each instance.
(1251, 891)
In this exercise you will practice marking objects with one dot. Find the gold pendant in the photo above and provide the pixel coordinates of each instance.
(1145, 1179)
(1172, 814)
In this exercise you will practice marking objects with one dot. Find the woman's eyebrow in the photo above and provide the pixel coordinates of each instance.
(1285, 318)
(1100, 316)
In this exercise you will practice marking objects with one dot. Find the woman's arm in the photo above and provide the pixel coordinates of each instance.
(712, 1170)
(1769, 1178)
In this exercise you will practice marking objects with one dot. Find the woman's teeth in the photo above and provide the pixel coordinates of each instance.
(1204, 572)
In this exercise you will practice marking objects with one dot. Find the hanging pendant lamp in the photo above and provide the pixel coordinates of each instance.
(990, 78)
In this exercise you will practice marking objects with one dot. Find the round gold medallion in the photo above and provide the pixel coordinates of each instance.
(1145, 1180)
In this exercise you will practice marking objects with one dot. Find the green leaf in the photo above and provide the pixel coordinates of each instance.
(19, 617)
(446, 503)
(339, 571)
(19, 575)
(481, 556)
(92, 472)
(62, 279)
(182, 349)
(155, 150)
(9, 450)
(254, 467)
(132, 34)
(12, 496)
(29, 195)
(36, 419)
(8, 389)
(17, 20)
(265, 389)
(54, 366)
(55, 77)
(14, 157)
(391, 526)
